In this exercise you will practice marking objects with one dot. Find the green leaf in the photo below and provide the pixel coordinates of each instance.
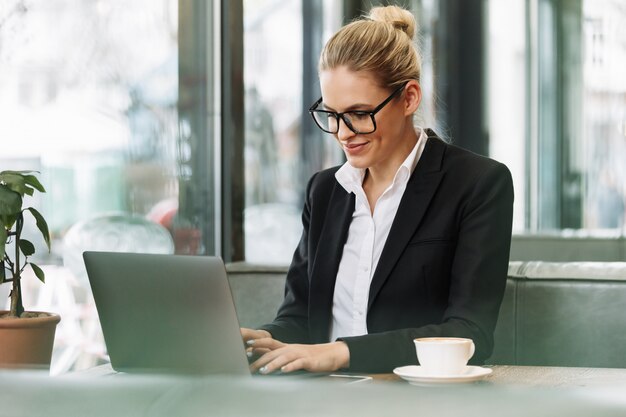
(9, 220)
(27, 247)
(19, 172)
(42, 225)
(39, 272)
(10, 201)
(3, 241)
(34, 182)
(15, 182)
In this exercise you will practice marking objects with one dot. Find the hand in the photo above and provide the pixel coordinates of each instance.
(292, 357)
(250, 334)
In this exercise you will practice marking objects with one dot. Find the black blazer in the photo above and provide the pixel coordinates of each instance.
(442, 271)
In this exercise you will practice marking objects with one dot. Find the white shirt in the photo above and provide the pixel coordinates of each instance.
(366, 238)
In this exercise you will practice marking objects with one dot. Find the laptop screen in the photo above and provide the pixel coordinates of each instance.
(166, 313)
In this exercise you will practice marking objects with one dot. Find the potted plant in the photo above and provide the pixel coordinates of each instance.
(26, 338)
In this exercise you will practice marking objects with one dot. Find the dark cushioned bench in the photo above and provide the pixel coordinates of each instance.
(563, 314)
(552, 314)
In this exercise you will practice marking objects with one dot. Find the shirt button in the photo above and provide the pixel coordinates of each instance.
(365, 268)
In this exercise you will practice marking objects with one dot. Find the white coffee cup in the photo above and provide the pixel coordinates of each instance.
(440, 356)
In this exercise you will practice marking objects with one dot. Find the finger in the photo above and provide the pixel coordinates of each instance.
(296, 365)
(265, 343)
(251, 334)
(260, 362)
(249, 352)
(246, 334)
(271, 361)
(254, 354)
(260, 352)
(277, 363)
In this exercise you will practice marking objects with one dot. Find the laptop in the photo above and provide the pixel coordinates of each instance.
(166, 313)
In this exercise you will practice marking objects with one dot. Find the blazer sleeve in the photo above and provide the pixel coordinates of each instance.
(291, 322)
(477, 282)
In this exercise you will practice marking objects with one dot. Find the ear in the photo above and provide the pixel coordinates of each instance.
(412, 97)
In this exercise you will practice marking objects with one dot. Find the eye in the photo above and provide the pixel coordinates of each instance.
(358, 115)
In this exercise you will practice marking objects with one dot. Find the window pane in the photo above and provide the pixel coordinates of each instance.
(88, 97)
(277, 162)
(506, 80)
(427, 14)
(98, 119)
(557, 110)
(604, 122)
(283, 147)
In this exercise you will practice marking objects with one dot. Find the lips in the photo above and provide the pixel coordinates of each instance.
(354, 145)
(354, 148)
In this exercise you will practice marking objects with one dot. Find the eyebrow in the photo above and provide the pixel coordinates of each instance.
(358, 106)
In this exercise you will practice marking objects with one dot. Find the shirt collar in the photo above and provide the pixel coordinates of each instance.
(351, 179)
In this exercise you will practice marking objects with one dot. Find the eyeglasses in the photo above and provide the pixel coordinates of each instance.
(358, 121)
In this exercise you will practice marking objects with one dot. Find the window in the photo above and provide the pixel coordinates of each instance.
(557, 110)
(506, 103)
(89, 97)
(282, 147)
(601, 152)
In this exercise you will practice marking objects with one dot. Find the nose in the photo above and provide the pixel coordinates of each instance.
(344, 132)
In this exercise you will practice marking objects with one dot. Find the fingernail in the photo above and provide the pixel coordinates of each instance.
(249, 353)
(283, 368)
(263, 369)
(250, 342)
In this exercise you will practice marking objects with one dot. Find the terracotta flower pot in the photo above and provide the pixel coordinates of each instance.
(27, 342)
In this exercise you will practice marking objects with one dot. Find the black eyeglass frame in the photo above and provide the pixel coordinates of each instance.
(313, 109)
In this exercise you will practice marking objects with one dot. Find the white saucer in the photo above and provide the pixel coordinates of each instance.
(417, 376)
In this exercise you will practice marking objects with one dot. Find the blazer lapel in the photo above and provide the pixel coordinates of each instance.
(326, 264)
(414, 204)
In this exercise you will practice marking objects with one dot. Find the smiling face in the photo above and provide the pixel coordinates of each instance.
(386, 148)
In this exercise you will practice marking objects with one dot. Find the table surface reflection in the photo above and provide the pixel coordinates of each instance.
(508, 391)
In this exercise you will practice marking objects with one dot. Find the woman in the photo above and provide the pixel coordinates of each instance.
(410, 238)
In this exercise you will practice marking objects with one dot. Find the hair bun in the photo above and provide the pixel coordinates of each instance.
(400, 18)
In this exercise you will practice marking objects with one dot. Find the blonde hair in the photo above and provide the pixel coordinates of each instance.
(380, 43)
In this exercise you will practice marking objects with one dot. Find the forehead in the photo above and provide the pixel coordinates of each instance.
(342, 88)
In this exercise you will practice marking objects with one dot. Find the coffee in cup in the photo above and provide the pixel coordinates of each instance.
(440, 356)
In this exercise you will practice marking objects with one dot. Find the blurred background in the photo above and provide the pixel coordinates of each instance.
(181, 126)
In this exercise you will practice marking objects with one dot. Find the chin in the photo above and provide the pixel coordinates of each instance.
(358, 163)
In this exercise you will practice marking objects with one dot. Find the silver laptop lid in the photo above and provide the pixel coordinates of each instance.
(166, 313)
